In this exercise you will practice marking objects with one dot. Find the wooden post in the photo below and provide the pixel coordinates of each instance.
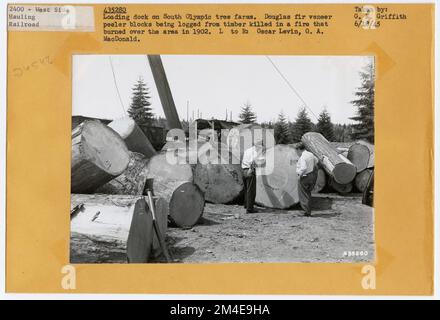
(336, 165)
(98, 155)
(165, 95)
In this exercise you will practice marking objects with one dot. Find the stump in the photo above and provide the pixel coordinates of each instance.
(134, 137)
(279, 189)
(112, 229)
(174, 183)
(336, 165)
(131, 181)
(321, 181)
(362, 179)
(98, 155)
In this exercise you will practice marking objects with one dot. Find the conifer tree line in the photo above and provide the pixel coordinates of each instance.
(286, 131)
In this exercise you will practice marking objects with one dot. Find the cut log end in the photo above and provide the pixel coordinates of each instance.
(359, 155)
(186, 205)
(344, 173)
(362, 179)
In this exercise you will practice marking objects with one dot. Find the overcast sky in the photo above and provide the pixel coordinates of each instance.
(212, 84)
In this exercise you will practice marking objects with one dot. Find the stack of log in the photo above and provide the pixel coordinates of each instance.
(347, 168)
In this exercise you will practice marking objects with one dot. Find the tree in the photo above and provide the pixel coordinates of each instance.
(342, 132)
(247, 115)
(281, 130)
(302, 125)
(325, 125)
(364, 126)
(140, 110)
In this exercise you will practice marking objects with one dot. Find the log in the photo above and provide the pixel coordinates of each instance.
(321, 181)
(112, 229)
(359, 155)
(218, 177)
(336, 165)
(340, 188)
(163, 88)
(98, 155)
(174, 183)
(279, 188)
(131, 181)
(134, 137)
(362, 179)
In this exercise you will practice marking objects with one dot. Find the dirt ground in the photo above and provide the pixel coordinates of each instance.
(339, 224)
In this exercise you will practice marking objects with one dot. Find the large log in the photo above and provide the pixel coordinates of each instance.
(321, 181)
(361, 154)
(134, 137)
(113, 229)
(98, 155)
(362, 179)
(336, 165)
(279, 187)
(163, 88)
(175, 183)
(217, 176)
(131, 181)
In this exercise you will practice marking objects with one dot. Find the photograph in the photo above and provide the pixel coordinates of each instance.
(222, 159)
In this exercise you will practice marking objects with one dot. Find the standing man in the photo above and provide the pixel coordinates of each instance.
(307, 170)
(251, 159)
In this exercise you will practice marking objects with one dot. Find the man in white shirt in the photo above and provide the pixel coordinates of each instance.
(307, 170)
(248, 164)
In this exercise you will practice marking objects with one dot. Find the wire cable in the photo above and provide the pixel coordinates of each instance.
(116, 84)
(291, 86)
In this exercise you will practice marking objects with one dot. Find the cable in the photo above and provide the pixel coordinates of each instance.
(116, 84)
(291, 86)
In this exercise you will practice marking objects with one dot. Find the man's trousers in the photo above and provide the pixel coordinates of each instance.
(305, 187)
(250, 182)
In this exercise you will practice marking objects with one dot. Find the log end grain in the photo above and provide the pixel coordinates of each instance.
(344, 173)
(186, 205)
(359, 155)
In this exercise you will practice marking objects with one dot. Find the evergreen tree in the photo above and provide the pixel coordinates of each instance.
(364, 126)
(325, 125)
(302, 125)
(140, 110)
(247, 115)
(281, 130)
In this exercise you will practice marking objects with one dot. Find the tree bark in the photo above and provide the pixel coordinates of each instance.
(131, 181)
(134, 137)
(98, 155)
(278, 188)
(112, 229)
(361, 179)
(336, 165)
(175, 183)
(165, 95)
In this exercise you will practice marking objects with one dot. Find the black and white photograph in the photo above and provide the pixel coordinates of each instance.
(222, 159)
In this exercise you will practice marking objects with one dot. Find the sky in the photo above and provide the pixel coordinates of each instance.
(210, 84)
